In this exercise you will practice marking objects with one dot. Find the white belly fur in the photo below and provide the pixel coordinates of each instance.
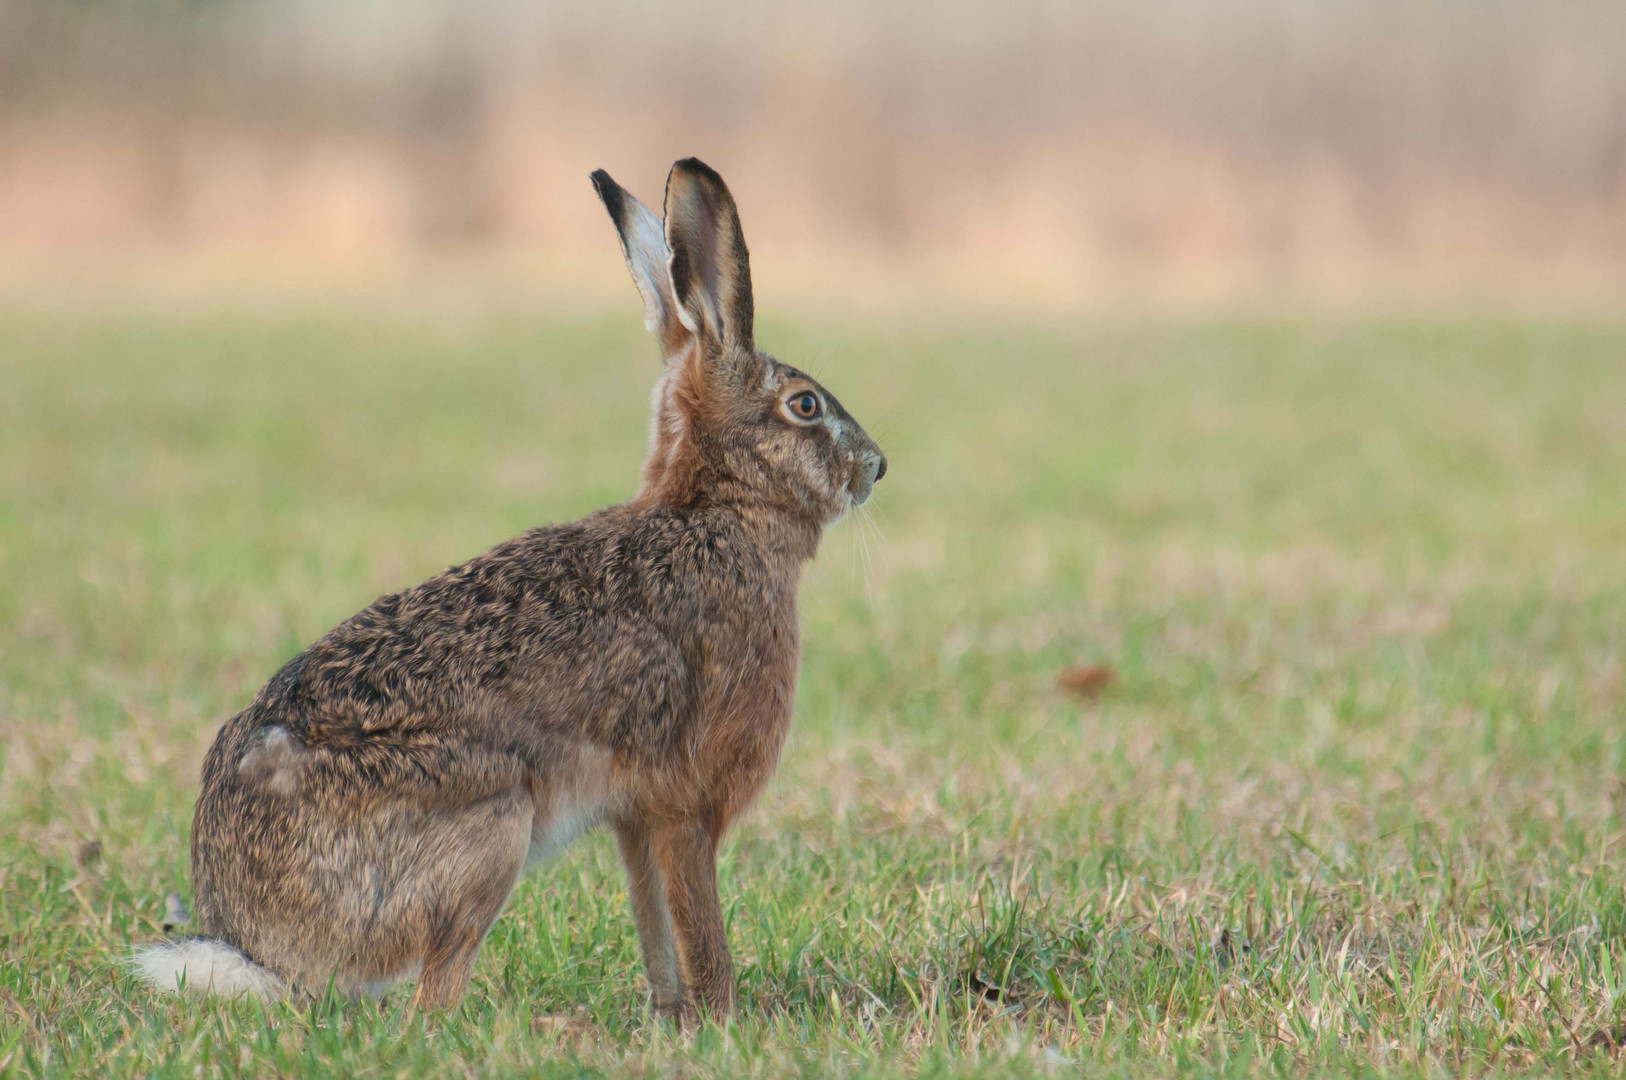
(579, 799)
(550, 840)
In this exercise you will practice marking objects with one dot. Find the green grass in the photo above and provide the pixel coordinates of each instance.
(1353, 802)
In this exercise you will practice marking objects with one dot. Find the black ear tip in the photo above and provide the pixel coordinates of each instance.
(695, 167)
(610, 193)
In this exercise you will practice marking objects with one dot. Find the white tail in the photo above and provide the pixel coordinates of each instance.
(209, 966)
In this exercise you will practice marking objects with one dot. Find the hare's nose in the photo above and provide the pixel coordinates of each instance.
(880, 470)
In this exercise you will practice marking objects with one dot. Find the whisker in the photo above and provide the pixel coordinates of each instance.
(815, 364)
(870, 529)
(853, 537)
(863, 540)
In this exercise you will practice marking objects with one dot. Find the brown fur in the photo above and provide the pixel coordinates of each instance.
(369, 812)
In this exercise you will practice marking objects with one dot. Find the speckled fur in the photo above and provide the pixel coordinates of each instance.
(365, 818)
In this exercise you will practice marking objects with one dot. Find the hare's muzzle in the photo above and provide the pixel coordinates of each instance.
(869, 470)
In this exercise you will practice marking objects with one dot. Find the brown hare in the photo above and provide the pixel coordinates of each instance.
(366, 817)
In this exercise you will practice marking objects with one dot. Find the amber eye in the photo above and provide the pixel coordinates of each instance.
(804, 406)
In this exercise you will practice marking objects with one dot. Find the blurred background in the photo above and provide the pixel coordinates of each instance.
(1049, 153)
(1248, 568)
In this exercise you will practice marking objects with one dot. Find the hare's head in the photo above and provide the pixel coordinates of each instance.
(731, 424)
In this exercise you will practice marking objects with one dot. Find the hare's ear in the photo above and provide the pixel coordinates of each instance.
(711, 270)
(643, 242)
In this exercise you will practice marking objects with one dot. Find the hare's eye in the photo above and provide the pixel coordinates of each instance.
(805, 406)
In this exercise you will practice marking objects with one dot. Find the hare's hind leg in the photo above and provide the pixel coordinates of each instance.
(476, 859)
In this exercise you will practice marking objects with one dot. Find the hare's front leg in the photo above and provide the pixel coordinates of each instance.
(647, 892)
(686, 852)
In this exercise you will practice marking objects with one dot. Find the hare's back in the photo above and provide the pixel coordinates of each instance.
(593, 626)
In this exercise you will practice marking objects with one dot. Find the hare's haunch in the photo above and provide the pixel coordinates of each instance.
(366, 817)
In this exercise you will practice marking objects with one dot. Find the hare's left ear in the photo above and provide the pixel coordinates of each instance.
(643, 242)
(711, 270)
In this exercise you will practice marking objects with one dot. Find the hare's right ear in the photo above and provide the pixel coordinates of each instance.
(643, 242)
(711, 270)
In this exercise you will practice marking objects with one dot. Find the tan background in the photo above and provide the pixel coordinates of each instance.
(1050, 153)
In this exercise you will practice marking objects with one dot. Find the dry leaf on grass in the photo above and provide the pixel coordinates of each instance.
(1086, 680)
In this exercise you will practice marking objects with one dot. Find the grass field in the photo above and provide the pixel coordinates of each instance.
(1353, 801)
